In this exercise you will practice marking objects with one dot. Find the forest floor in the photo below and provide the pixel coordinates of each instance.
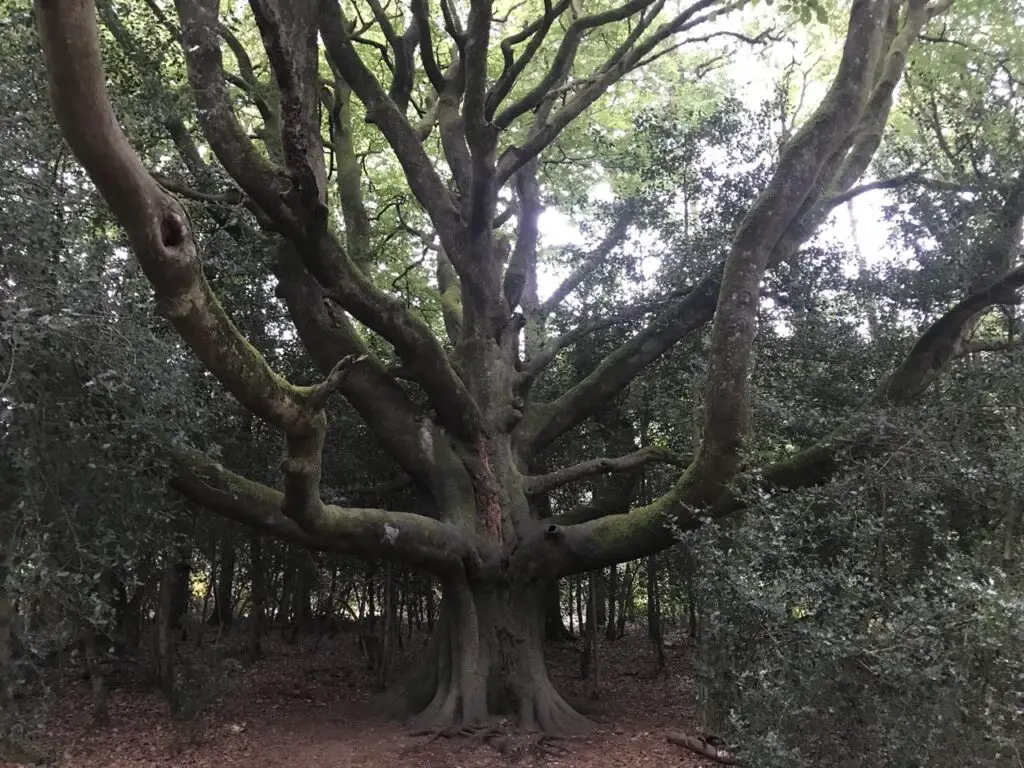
(308, 704)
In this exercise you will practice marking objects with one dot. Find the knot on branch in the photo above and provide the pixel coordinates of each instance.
(174, 229)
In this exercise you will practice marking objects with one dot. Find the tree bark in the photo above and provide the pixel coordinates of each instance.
(6, 641)
(173, 593)
(613, 585)
(223, 605)
(484, 661)
(257, 613)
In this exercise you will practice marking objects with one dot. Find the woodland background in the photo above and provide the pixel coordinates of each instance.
(879, 614)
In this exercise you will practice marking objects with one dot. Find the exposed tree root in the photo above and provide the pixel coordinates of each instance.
(474, 733)
(508, 741)
(702, 746)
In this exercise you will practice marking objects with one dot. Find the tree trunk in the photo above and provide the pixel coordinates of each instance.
(485, 661)
(131, 625)
(99, 711)
(223, 605)
(259, 597)
(654, 631)
(613, 585)
(173, 594)
(554, 625)
(287, 585)
(6, 632)
(625, 601)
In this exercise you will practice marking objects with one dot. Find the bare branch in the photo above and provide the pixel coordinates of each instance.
(289, 32)
(727, 408)
(591, 263)
(544, 356)
(430, 66)
(905, 180)
(328, 336)
(564, 57)
(535, 32)
(524, 254)
(945, 340)
(425, 183)
(536, 484)
(978, 346)
(621, 61)
(544, 422)
(258, 178)
(649, 529)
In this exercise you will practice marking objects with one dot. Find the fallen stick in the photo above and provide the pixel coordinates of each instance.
(701, 747)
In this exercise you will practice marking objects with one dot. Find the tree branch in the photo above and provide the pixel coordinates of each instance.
(535, 32)
(544, 422)
(266, 184)
(289, 32)
(425, 183)
(946, 340)
(727, 406)
(646, 530)
(404, 537)
(536, 484)
(591, 263)
(621, 61)
(904, 180)
(544, 356)
(162, 239)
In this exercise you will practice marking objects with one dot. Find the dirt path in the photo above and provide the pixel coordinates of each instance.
(300, 707)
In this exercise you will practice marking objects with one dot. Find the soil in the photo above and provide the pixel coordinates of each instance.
(309, 704)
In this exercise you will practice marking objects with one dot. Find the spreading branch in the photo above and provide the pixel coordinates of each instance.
(654, 527)
(163, 241)
(536, 484)
(546, 421)
(401, 536)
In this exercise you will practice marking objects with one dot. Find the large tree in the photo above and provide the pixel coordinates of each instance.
(497, 88)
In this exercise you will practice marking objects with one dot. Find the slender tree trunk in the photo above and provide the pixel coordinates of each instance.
(259, 597)
(588, 659)
(693, 625)
(99, 712)
(601, 592)
(554, 624)
(173, 593)
(223, 606)
(613, 583)
(288, 580)
(625, 601)
(6, 641)
(577, 585)
(390, 621)
(654, 630)
(430, 606)
(131, 625)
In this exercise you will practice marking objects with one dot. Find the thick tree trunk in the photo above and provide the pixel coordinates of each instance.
(485, 661)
